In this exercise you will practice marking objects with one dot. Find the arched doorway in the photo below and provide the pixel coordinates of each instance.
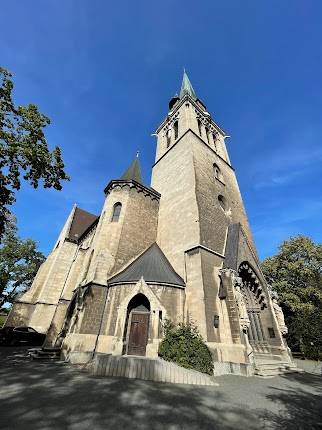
(255, 304)
(137, 325)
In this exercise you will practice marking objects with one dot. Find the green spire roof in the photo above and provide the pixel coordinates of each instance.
(133, 172)
(186, 87)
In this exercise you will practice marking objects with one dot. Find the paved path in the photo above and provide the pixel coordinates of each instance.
(45, 396)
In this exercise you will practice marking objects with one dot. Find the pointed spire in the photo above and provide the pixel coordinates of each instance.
(186, 87)
(134, 171)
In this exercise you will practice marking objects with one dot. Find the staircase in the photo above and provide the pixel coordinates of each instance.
(268, 365)
(44, 353)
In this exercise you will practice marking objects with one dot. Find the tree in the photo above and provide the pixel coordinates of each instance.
(19, 263)
(184, 345)
(295, 273)
(23, 149)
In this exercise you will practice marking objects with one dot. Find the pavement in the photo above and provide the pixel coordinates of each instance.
(53, 395)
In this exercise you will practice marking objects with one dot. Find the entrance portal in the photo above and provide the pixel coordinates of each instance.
(256, 304)
(138, 318)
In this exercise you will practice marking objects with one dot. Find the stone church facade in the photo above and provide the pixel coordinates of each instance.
(180, 249)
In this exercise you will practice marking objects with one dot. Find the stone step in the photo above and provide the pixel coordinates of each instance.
(36, 356)
(51, 349)
(152, 369)
(44, 353)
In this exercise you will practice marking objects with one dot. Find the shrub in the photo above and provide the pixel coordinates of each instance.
(184, 345)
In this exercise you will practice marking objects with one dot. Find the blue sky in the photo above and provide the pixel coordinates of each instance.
(104, 72)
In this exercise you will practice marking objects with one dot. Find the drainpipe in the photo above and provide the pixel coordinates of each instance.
(101, 323)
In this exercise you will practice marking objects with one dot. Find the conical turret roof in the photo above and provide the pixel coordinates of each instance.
(133, 172)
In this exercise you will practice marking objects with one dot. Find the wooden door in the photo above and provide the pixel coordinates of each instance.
(139, 330)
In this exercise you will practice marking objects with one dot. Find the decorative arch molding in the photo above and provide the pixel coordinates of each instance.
(251, 281)
(140, 287)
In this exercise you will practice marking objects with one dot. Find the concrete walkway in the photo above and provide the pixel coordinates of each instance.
(45, 396)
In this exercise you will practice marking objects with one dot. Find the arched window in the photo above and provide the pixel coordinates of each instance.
(176, 130)
(217, 172)
(222, 202)
(168, 137)
(215, 137)
(116, 212)
(207, 134)
(199, 126)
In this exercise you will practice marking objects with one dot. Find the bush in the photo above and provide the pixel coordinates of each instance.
(184, 345)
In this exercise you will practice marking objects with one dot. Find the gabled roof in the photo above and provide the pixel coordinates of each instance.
(153, 266)
(82, 220)
(133, 173)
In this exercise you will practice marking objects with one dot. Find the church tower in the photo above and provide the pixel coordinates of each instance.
(204, 232)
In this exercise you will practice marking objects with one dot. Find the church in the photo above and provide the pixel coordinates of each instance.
(180, 249)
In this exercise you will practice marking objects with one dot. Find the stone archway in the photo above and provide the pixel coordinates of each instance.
(136, 330)
(256, 304)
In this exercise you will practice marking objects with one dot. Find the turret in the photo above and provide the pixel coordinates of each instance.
(127, 225)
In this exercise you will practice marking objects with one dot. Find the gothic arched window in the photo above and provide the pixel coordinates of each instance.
(175, 126)
(207, 134)
(116, 212)
(168, 137)
(199, 126)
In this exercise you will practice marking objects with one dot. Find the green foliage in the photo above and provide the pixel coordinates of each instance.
(19, 263)
(2, 319)
(295, 273)
(23, 149)
(184, 345)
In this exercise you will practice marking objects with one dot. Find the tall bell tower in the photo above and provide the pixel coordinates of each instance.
(202, 227)
(193, 173)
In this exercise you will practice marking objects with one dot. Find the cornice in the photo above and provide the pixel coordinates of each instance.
(195, 104)
(201, 140)
(132, 184)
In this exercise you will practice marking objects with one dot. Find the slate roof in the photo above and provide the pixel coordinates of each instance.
(153, 266)
(82, 220)
(133, 173)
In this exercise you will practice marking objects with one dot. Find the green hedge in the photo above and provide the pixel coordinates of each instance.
(184, 345)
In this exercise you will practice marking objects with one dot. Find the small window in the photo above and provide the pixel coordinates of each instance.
(217, 173)
(222, 202)
(116, 212)
(199, 126)
(176, 130)
(271, 332)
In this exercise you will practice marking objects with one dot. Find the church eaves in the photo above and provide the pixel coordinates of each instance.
(82, 221)
(153, 266)
(133, 173)
(186, 87)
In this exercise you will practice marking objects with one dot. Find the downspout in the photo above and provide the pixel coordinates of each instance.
(101, 323)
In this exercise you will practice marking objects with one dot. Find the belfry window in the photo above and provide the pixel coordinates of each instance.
(199, 126)
(175, 127)
(207, 133)
(168, 137)
(116, 212)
